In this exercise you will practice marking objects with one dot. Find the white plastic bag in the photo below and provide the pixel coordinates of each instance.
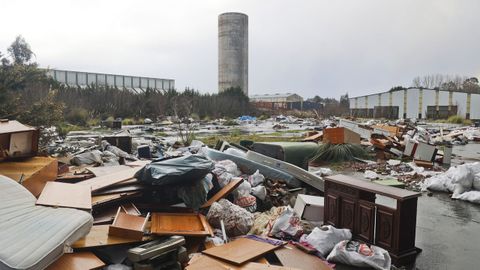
(360, 255)
(287, 225)
(370, 174)
(256, 179)
(462, 180)
(235, 152)
(326, 237)
(259, 192)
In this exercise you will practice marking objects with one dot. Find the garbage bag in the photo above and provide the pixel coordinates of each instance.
(287, 225)
(178, 170)
(237, 220)
(87, 158)
(195, 194)
(225, 170)
(243, 197)
(264, 221)
(326, 237)
(260, 192)
(256, 179)
(360, 255)
(106, 146)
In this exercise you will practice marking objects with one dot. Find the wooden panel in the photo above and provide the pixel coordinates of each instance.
(240, 250)
(365, 225)
(332, 204)
(98, 236)
(202, 262)
(385, 227)
(347, 219)
(65, 195)
(100, 200)
(103, 181)
(333, 135)
(77, 261)
(223, 192)
(180, 224)
(36, 171)
(293, 257)
(106, 170)
(396, 193)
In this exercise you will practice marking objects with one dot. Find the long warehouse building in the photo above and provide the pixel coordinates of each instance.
(416, 103)
(133, 83)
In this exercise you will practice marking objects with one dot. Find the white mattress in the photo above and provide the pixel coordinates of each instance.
(33, 237)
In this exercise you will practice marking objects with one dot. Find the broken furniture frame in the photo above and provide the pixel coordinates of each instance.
(128, 226)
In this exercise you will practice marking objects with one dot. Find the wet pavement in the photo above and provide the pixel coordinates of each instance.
(448, 232)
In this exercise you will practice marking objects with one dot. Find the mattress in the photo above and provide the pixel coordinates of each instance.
(33, 237)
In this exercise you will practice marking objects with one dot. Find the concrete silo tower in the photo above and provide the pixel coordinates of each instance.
(233, 51)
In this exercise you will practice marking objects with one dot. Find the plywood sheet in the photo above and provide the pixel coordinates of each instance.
(293, 257)
(103, 181)
(189, 224)
(223, 192)
(201, 262)
(106, 170)
(98, 236)
(77, 261)
(240, 250)
(106, 199)
(36, 172)
(65, 195)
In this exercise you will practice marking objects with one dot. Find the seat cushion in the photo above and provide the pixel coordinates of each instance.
(33, 237)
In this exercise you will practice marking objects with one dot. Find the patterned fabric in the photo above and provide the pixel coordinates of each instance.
(237, 220)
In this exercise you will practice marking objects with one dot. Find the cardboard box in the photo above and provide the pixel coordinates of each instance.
(309, 207)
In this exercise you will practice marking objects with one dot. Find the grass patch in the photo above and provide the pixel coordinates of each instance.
(212, 140)
(64, 128)
(456, 119)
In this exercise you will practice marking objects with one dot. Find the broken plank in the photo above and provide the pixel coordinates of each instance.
(106, 170)
(98, 237)
(294, 257)
(101, 200)
(200, 262)
(77, 261)
(240, 250)
(234, 183)
(65, 195)
(104, 181)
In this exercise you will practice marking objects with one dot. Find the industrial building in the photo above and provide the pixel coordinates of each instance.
(233, 51)
(416, 103)
(287, 101)
(132, 83)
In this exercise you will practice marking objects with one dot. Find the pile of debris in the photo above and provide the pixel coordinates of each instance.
(115, 204)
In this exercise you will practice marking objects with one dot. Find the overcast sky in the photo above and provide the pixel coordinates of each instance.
(311, 48)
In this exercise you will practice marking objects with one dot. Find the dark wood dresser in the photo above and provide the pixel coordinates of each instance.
(381, 215)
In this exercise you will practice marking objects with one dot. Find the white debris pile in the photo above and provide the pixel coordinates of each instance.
(463, 181)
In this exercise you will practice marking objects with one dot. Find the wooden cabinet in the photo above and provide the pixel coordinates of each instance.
(351, 203)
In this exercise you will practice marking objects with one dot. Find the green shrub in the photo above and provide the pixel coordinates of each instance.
(457, 119)
(78, 116)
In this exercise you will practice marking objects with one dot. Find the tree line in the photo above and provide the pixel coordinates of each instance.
(29, 95)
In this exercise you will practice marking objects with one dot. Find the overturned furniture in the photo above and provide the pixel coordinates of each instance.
(380, 215)
(17, 140)
(33, 237)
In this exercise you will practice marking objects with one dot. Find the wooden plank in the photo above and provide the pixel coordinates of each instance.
(77, 261)
(201, 262)
(106, 170)
(396, 193)
(100, 182)
(36, 172)
(188, 224)
(293, 257)
(106, 199)
(98, 237)
(65, 195)
(120, 189)
(223, 192)
(240, 250)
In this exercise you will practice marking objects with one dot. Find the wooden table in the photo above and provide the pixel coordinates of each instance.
(354, 204)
